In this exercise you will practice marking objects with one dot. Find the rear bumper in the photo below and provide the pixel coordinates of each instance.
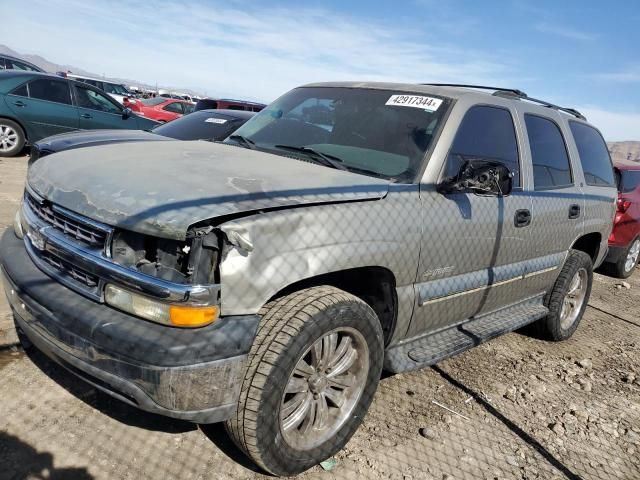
(615, 253)
(191, 374)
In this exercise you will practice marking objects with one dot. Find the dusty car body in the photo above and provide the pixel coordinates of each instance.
(395, 247)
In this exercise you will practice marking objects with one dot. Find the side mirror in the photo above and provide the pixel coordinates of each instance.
(126, 113)
(482, 177)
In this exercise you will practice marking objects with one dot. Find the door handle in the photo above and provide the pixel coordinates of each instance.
(522, 218)
(85, 115)
(574, 211)
(19, 103)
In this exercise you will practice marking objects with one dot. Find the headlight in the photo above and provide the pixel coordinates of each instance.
(17, 223)
(167, 314)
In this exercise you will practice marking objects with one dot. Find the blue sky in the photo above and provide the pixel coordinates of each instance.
(584, 54)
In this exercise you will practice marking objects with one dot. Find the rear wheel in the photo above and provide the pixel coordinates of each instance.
(313, 370)
(12, 138)
(568, 299)
(626, 265)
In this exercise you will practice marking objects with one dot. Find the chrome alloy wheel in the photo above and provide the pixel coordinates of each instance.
(632, 256)
(8, 138)
(324, 388)
(573, 300)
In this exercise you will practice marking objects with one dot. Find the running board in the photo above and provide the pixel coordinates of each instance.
(435, 347)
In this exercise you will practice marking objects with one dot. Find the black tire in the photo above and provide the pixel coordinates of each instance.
(550, 327)
(10, 125)
(619, 269)
(290, 326)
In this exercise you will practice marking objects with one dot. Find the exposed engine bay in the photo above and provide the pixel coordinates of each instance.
(192, 261)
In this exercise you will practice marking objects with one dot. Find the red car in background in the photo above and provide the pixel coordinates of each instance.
(160, 109)
(624, 241)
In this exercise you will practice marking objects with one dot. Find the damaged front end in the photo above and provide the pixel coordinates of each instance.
(172, 282)
(192, 261)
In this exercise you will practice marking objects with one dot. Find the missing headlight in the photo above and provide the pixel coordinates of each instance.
(191, 261)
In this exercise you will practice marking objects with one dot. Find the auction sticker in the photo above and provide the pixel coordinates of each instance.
(215, 120)
(415, 101)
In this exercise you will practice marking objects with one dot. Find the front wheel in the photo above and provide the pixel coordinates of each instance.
(313, 370)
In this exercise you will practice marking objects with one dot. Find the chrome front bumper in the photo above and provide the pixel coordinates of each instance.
(191, 374)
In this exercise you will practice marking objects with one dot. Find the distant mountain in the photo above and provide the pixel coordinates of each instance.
(629, 151)
(45, 64)
(55, 67)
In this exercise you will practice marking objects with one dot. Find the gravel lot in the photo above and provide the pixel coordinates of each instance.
(524, 409)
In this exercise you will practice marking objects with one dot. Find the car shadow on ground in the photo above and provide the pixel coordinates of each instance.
(101, 401)
(217, 434)
(21, 461)
(524, 436)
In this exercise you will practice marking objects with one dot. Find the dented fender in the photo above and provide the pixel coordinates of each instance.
(264, 253)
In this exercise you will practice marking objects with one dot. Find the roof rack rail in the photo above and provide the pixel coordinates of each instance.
(570, 111)
(513, 93)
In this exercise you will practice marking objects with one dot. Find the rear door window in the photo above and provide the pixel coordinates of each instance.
(21, 91)
(486, 133)
(594, 155)
(51, 90)
(551, 168)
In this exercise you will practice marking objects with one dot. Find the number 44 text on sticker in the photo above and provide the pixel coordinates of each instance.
(415, 101)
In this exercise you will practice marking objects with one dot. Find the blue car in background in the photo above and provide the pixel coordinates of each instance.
(35, 105)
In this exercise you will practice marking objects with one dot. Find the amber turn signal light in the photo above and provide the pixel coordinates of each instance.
(184, 316)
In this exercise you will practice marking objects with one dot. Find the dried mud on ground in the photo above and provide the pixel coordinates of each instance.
(522, 408)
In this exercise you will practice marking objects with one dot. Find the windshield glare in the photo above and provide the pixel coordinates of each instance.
(363, 128)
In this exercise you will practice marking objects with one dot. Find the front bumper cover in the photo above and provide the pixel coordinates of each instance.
(192, 374)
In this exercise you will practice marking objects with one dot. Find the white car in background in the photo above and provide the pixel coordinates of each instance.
(117, 91)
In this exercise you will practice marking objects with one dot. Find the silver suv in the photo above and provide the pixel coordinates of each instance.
(347, 228)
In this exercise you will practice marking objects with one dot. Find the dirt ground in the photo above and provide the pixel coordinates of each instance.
(516, 407)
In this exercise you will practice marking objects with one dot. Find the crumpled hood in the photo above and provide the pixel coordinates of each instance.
(162, 188)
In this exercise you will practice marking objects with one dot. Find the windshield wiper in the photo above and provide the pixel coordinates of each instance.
(244, 141)
(322, 158)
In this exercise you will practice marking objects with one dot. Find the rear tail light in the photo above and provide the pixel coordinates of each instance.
(623, 205)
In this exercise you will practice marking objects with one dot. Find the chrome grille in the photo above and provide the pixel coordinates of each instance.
(70, 270)
(70, 224)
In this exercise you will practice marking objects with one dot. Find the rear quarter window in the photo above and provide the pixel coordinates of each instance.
(594, 155)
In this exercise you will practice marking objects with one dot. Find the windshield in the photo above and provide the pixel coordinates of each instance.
(113, 88)
(380, 133)
(118, 89)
